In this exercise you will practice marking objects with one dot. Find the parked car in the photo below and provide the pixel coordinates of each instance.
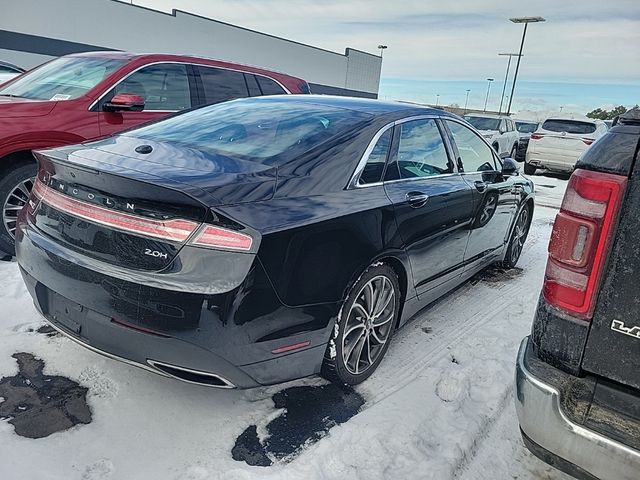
(525, 129)
(9, 71)
(558, 143)
(499, 130)
(86, 96)
(578, 374)
(266, 239)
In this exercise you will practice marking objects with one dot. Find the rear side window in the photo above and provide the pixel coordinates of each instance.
(164, 86)
(569, 126)
(372, 172)
(421, 150)
(221, 85)
(475, 154)
(269, 87)
(252, 85)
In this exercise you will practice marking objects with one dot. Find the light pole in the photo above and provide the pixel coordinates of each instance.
(526, 21)
(506, 76)
(466, 100)
(489, 80)
(437, 99)
(382, 49)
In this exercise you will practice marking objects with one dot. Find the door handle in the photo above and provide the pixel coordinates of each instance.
(480, 186)
(416, 199)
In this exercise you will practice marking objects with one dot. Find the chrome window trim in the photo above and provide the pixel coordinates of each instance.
(354, 182)
(175, 62)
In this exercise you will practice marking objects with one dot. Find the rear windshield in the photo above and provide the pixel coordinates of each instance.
(526, 127)
(65, 78)
(484, 123)
(569, 126)
(265, 131)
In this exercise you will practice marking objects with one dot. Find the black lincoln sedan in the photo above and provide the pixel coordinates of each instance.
(266, 239)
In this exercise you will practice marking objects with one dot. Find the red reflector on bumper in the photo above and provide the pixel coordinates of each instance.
(290, 348)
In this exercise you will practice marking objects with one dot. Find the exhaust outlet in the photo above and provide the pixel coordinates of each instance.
(191, 376)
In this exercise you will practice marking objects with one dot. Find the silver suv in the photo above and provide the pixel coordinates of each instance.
(499, 130)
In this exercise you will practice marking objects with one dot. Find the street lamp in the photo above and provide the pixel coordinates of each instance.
(489, 80)
(382, 48)
(526, 21)
(437, 98)
(466, 100)
(506, 76)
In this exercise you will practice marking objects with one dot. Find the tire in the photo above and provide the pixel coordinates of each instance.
(529, 169)
(514, 151)
(14, 185)
(518, 237)
(343, 362)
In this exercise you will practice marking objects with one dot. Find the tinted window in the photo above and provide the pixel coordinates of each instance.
(372, 172)
(526, 127)
(221, 85)
(65, 78)
(569, 126)
(260, 130)
(269, 87)
(421, 151)
(484, 123)
(474, 153)
(252, 85)
(163, 86)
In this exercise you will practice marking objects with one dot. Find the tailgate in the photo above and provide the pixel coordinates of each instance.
(613, 344)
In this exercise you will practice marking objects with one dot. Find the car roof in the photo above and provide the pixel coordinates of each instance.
(487, 115)
(364, 105)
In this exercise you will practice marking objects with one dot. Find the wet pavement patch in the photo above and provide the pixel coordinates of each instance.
(47, 330)
(308, 414)
(38, 405)
(496, 275)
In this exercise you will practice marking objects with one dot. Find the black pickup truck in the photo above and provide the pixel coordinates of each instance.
(578, 373)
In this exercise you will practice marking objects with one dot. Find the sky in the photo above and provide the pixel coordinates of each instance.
(586, 42)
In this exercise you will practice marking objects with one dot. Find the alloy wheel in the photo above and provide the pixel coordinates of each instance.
(368, 325)
(17, 198)
(519, 235)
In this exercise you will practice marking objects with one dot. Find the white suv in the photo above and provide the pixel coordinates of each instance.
(558, 143)
(499, 130)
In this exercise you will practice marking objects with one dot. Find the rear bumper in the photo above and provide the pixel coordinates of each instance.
(223, 340)
(552, 160)
(579, 451)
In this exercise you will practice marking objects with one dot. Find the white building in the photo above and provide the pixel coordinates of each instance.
(33, 31)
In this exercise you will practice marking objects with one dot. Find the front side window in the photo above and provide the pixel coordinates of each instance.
(372, 172)
(475, 154)
(221, 85)
(421, 150)
(64, 78)
(164, 86)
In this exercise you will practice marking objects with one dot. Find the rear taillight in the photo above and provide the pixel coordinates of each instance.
(174, 230)
(588, 141)
(216, 237)
(536, 136)
(581, 237)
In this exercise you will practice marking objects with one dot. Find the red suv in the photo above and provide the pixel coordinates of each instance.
(86, 96)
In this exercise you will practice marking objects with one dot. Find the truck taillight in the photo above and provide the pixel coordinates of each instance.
(580, 240)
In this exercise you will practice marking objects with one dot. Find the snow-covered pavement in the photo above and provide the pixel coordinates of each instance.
(440, 406)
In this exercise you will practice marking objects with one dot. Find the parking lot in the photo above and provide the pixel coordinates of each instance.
(440, 406)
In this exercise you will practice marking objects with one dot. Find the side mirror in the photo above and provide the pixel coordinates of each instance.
(509, 166)
(124, 102)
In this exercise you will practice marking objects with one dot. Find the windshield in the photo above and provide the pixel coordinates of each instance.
(65, 78)
(484, 123)
(569, 126)
(526, 127)
(263, 131)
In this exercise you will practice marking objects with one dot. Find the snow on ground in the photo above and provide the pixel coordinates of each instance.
(440, 406)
